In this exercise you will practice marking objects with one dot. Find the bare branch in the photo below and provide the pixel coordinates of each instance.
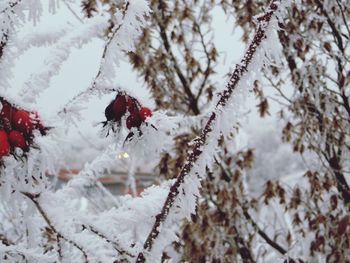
(193, 103)
(343, 16)
(209, 60)
(242, 248)
(335, 32)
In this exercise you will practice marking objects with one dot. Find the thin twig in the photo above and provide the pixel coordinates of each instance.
(343, 16)
(102, 62)
(72, 11)
(3, 42)
(242, 248)
(193, 103)
(116, 246)
(209, 60)
(5, 36)
(48, 221)
(335, 32)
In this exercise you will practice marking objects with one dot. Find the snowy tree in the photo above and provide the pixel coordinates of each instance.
(202, 209)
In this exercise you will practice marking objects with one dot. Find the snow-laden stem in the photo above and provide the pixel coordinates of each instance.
(200, 142)
(93, 85)
(116, 246)
(3, 43)
(72, 11)
(5, 35)
(34, 198)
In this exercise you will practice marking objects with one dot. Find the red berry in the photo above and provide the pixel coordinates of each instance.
(134, 120)
(109, 112)
(119, 106)
(17, 139)
(4, 144)
(7, 111)
(22, 122)
(145, 113)
(130, 102)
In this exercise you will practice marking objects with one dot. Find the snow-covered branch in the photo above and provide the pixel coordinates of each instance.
(130, 21)
(60, 52)
(34, 199)
(187, 182)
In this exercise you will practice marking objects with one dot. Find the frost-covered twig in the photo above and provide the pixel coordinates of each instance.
(60, 52)
(72, 11)
(103, 58)
(199, 143)
(5, 33)
(3, 43)
(336, 34)
(116, 246)
(34, 198)
(20, 254)
(263, 234)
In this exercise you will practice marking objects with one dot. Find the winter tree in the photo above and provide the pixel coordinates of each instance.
(203, 207)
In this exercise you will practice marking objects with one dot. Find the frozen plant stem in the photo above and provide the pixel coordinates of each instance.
(116, 246)
(5, 34)
(48, 221)
(193, 101)
(235, 78)
(103, 58)
(72, 11)
(3, 43)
